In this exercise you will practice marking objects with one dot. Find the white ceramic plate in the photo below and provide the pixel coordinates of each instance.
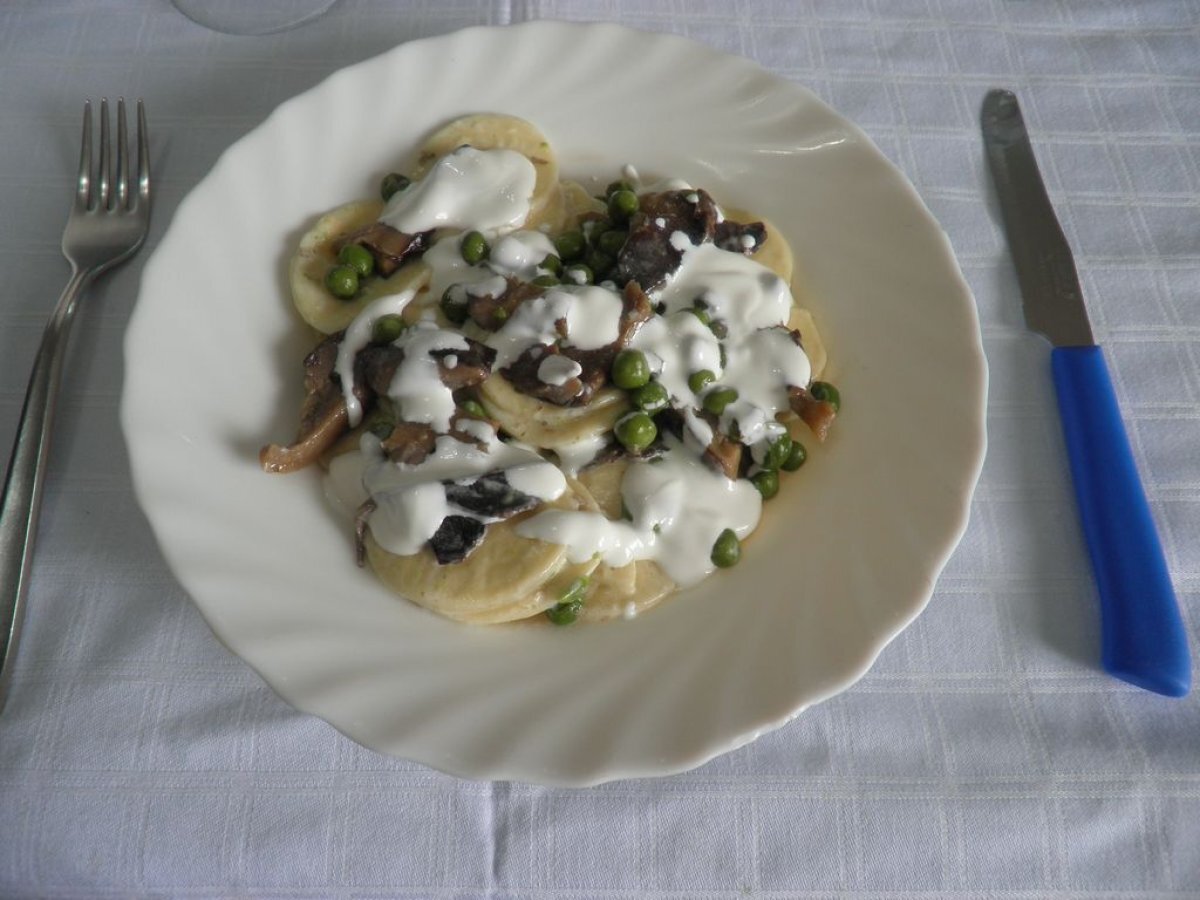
(847, 554)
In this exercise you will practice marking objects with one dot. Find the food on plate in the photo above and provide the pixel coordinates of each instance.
(536, 400)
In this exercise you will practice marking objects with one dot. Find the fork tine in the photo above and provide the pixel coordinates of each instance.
(102, 202)
(122, 157)
(83, 189)
(143, 169)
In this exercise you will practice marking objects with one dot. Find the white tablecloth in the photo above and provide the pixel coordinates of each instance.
(984, 754)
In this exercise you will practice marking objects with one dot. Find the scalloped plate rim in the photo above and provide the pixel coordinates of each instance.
(600, 770)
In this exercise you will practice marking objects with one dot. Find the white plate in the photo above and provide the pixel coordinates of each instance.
(847, 554)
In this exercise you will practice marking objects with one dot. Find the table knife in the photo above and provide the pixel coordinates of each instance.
(1143, 640)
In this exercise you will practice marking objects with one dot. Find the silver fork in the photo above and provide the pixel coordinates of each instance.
(107, 224)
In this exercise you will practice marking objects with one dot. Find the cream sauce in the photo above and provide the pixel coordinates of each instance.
(678, 505)
(356, 338)
(518, 255)
(592, 318)
(416, 390)
(411, 500)
(484, 190)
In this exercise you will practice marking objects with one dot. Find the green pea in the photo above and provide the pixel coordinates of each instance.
(622, 204)
(473, 408)
(566, 610)
(636, 431)
(777, 452)
(615, 186)
(727, 549)
(342, 281)
(795, 458)
(594, 229)
(767, 483)
(387, 328)
(577, 273)
(551, 264)
(824, 391)
(716, 401)
(393, 183)
(630, 369)
(569, 245)
(698, 381)
(359, 258)
(600, 262)
(379, 424)
(563, 613)
(474, 247)
(546, 281)
(454, 304)
(651, 397)
(611, 242)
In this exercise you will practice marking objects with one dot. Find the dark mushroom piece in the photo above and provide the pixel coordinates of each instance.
(491, 311)
(724, 454)
(455, 538)
(595, 365)
(818, 415)
(323, 415)
(389, 247)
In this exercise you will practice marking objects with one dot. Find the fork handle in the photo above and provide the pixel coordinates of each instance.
(22, 498)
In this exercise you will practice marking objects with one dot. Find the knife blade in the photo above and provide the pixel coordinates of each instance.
(1143, 640)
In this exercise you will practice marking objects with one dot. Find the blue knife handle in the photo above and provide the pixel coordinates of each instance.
(1143, 640)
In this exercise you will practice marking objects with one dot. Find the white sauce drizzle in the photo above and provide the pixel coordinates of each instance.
(678, 503)
(592, 316)
(677, 345)
(557, 370)
(411, 500)
(761, 367)
(517, 255)
(574, 456)
(679, 506)
(416, 390)
(520, 253)
(737, 290)
(485, 190)
(358, 335)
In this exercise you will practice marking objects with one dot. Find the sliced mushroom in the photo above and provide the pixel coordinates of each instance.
(649, 254)
(490, 496)
(378, 363)
(389, 247)
(725, 454)
(455, 538)
(737, 237)
(323, 415)
(818, 415)
(491, 311)
(409, 443)
(594, 365)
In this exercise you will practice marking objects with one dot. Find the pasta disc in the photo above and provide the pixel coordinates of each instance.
(491, 584)
(498, 132)
(545, 425)
(628, 589)
(775, 252)
(609, 600)
(317, 254)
